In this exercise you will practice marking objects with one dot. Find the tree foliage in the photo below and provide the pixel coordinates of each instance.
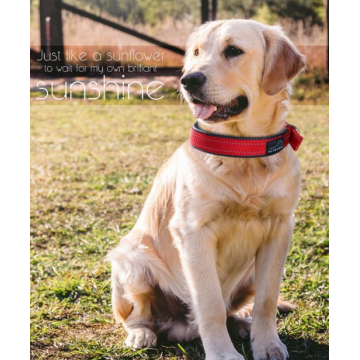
(140, 11)
(154, 11)
(294, 9)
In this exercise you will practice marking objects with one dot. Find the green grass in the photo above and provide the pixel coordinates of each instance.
(85, 161)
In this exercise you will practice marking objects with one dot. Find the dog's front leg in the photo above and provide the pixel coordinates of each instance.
(269, 265)
(198, 258)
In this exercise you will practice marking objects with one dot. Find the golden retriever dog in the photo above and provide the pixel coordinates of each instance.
(210, 245)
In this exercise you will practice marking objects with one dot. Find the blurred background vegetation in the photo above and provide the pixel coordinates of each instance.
(170, 20)
(153, 12)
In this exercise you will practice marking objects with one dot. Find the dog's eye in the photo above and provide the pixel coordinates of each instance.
(196, 52)
(232, 51)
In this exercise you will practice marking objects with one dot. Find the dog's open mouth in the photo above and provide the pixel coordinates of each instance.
(213, 112)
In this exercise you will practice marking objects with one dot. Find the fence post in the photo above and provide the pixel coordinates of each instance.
(51, 28)
(328, 37)
(204, 11)
(213, 9)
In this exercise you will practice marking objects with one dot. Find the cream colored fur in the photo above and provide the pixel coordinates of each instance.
(214, 233)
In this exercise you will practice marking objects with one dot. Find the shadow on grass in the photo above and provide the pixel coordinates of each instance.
(298, 348)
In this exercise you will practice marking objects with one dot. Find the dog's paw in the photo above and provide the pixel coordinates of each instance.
(273, 350)
(240, 326)
(141, 338)
(224, 356)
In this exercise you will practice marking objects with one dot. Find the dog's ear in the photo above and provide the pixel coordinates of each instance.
(282, 61)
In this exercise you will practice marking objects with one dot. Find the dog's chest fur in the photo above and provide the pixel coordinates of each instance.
(242, 207)
(239, 190)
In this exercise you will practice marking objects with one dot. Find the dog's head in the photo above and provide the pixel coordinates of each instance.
(232, 65)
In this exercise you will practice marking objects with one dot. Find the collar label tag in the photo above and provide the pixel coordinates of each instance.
(274, 146)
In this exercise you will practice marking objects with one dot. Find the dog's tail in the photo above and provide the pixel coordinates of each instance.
(283, 306)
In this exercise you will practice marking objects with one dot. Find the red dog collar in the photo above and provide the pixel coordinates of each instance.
(244, 147)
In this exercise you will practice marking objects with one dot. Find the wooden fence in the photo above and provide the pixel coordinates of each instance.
(51, 30)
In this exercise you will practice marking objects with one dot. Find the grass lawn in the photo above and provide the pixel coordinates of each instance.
(85, 160)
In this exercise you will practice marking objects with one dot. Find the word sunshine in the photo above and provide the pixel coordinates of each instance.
(123, 90)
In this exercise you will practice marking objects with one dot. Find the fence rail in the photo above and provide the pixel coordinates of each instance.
(122, 28)
(52, 33)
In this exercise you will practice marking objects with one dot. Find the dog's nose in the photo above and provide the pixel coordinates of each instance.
(193, 81)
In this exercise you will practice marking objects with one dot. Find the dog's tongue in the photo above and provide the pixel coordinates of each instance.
(203, 111)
